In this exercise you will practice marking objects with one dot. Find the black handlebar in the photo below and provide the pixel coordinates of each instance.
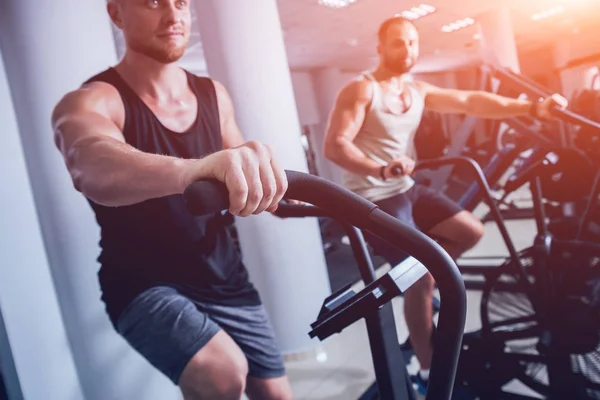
(533, 89)
(208, 196)
(574, 118)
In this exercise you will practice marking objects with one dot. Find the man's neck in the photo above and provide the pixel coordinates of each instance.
(149, 78)
(383, 74)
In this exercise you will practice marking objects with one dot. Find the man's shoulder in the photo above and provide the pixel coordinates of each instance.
(95, 95)
(358, 88)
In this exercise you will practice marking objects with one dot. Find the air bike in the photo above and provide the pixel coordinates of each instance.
(345, 307)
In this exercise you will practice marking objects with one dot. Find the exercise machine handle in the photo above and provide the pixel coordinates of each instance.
(574, 118)
(208, 196)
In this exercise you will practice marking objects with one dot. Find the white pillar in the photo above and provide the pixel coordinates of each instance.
(572, 79)
(327, 83)
(245, 51)
(498, 43)
(35, 335)
(50, 48)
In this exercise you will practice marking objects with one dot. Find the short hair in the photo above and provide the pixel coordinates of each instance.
(385, 25)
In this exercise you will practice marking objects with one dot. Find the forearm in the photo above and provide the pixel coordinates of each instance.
(492, 106)
(349, 157)
(112, 173)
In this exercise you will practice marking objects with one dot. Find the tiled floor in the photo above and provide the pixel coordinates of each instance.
(342, 369)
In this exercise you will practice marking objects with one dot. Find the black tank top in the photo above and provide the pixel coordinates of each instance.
(157, 241)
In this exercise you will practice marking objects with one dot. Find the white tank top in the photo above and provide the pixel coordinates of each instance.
(383, 137)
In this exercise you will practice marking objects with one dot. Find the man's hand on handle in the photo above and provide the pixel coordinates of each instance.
(544, 108)
(255, 180)
(401, 166)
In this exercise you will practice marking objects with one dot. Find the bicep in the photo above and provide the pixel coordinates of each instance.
(230, 131)
(79, 118)
(444, 100)
(231, 134)
(348, 114)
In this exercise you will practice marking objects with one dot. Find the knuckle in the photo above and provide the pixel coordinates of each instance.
(231, 156)
(270, 191)
(255, 197)
(253, 145)
(268, 149)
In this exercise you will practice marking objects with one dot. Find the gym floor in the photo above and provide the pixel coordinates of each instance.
(342, 369)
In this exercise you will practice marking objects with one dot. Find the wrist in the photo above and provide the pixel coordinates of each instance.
(533, 108)
(189, 171)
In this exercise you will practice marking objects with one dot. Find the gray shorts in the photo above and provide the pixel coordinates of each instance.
(168, 329)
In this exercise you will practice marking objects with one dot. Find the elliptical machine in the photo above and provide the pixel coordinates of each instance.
(373, 302)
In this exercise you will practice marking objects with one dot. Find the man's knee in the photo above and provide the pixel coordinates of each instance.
(469, 231)
(473, 234)
(425, 285)
(217, 371)
(271, 389)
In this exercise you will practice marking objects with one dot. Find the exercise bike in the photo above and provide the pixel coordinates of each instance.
(372, 303)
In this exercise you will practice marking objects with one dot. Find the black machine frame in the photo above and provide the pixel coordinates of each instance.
(372, 303)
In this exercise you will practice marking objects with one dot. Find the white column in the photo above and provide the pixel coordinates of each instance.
(327, 83)
(245, 51)
(572, 79)
(35, 336)
(498, 43)
(50, 48)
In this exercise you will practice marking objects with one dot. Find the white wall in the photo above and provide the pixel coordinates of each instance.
(315, 92)
(306, 98)
(30, 311)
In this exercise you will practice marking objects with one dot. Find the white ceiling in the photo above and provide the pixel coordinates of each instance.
(317, 36)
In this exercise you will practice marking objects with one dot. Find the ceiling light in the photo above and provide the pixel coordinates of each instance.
(548, 13)
(417, 12)
(336, 3)
(458, 25)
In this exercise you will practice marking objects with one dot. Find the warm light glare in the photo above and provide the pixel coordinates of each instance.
(336, 3)
(548, 13)
(417, 12)
(457, 25)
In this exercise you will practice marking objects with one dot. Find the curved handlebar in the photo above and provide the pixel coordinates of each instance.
(574, 118)
(208, 196)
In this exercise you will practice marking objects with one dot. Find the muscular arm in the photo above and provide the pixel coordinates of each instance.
(230, 132)
(344, 124)
(102, 166)
(473, 102)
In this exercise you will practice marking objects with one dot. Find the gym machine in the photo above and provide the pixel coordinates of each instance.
(373, 302)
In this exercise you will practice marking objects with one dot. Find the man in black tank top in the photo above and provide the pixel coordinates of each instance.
(370, 135)
(133, 138)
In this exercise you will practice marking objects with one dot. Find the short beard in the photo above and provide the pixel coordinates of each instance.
(397, 68)
(164, 55)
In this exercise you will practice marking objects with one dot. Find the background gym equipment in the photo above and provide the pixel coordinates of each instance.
(540, 308)
(345, 307)
(554, 282)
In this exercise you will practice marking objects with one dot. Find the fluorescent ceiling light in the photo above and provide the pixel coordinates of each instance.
(336, 3)
(548, 13)
(417, 12)
(458, 25)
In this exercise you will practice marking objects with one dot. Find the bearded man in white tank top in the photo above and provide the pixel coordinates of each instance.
(370, 134)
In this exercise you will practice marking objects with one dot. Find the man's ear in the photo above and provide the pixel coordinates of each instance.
(114, 11)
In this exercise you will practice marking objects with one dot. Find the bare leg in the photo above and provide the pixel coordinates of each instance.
(218, 371)
(461, 233)
(269, 389)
